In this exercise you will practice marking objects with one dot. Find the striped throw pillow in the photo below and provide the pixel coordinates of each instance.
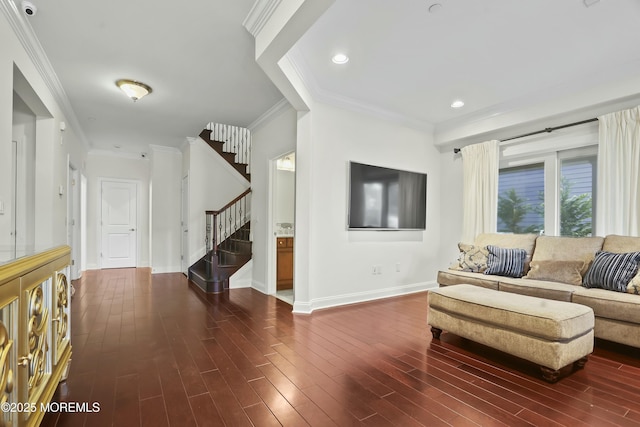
(505, 261)
(612, 271)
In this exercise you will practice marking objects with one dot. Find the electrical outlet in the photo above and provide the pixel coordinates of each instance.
(374, 270)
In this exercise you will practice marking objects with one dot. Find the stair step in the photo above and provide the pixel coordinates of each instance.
(229, 157)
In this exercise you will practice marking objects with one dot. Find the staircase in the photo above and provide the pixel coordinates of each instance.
(228, 229)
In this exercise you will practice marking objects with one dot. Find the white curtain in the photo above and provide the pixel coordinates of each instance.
(480, 189)
(618, 194)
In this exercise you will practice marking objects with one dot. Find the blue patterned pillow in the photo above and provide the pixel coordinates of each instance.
(505, 262)
(612, 271)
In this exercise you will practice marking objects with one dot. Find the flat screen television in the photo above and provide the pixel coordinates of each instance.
(386, 199)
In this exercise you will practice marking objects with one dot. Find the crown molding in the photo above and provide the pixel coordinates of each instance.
(118, 154)
(259, 15)
(278, 108)
(174, 150)
(318, 93)
(23, 31)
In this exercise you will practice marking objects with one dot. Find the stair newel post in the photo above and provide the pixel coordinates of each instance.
(214, 239)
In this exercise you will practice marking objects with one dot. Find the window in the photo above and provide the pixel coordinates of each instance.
(521, 199)
(547, 184)
(576, 196)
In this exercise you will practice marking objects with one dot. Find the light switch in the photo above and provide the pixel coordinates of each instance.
(1, 207)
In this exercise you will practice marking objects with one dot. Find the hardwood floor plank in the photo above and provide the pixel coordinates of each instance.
(155, 352)
(205, 411)
(153, 412)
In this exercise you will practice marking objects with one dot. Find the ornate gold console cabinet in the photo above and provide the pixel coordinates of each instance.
(35, 321)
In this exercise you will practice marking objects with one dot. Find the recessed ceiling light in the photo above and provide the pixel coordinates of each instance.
(457, 104)
(340, 58)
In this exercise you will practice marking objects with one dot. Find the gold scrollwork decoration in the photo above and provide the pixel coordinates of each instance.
(6, 373)
(61, 307)
(37, 330)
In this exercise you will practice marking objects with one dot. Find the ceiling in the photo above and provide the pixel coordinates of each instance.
(406, 62)
(197, 57)
(496, 55)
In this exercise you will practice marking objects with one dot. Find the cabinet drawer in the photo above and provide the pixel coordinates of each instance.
(285, 242)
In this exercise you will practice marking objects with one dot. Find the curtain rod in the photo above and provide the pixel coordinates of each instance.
(545, 130)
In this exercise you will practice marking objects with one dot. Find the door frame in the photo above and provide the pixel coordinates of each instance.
(272, 239)
(74, 209)
(101, 180)
(184, 226)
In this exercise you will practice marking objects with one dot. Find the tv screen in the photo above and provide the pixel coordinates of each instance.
(386, 199)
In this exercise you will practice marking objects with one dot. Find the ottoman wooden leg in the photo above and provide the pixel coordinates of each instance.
(436, 332)
(549, 375)
(579, 364)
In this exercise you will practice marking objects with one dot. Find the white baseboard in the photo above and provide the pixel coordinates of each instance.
(302, 307)
(259, 286)
(165, 269)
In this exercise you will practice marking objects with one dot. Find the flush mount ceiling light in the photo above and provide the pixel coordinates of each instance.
(133, 89)
(340, 58)
(435, 8)
(457, 104)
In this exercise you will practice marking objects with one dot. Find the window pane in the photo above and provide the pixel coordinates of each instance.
(576, 191)
(521, 199)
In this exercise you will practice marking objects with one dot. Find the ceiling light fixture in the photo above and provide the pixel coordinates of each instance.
(133, 89)
(435, 8)
(340, 58)
(457, 104)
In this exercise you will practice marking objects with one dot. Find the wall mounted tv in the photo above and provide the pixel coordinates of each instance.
(386, 199)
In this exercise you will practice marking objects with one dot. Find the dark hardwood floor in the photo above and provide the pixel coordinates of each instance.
(152, 351)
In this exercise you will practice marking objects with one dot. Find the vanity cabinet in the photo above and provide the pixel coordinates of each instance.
(284, 263)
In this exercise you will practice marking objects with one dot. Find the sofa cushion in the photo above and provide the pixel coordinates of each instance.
(505, 261)
(557, 271)
(612, 271)
(567, 249)
(472, 258)
(517, 241)
(549, 320)
(537, 288)
(452, 277)
(610, 305)
(621, 244)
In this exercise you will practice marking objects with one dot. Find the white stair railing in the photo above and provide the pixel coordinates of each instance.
(236, 139)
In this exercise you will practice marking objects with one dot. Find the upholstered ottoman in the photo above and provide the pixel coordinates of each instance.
(552, 334)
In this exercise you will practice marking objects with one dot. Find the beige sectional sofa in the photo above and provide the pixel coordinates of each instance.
(554, 269)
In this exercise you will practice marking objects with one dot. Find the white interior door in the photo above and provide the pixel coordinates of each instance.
(119, 224)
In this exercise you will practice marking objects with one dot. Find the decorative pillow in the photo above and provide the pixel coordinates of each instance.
(634, 285)
(612, 271)
(505, 262)
(557, 271)
(472, 258)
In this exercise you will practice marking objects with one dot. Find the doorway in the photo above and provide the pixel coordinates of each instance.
(283, 220)
(119, 201)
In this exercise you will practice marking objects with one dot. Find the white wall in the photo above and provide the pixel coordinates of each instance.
(284, 200)
(450, 207)
(271, 140)
(53, 147)
(104, 165)
(212, 184)
(166, 180)
(340, 262)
